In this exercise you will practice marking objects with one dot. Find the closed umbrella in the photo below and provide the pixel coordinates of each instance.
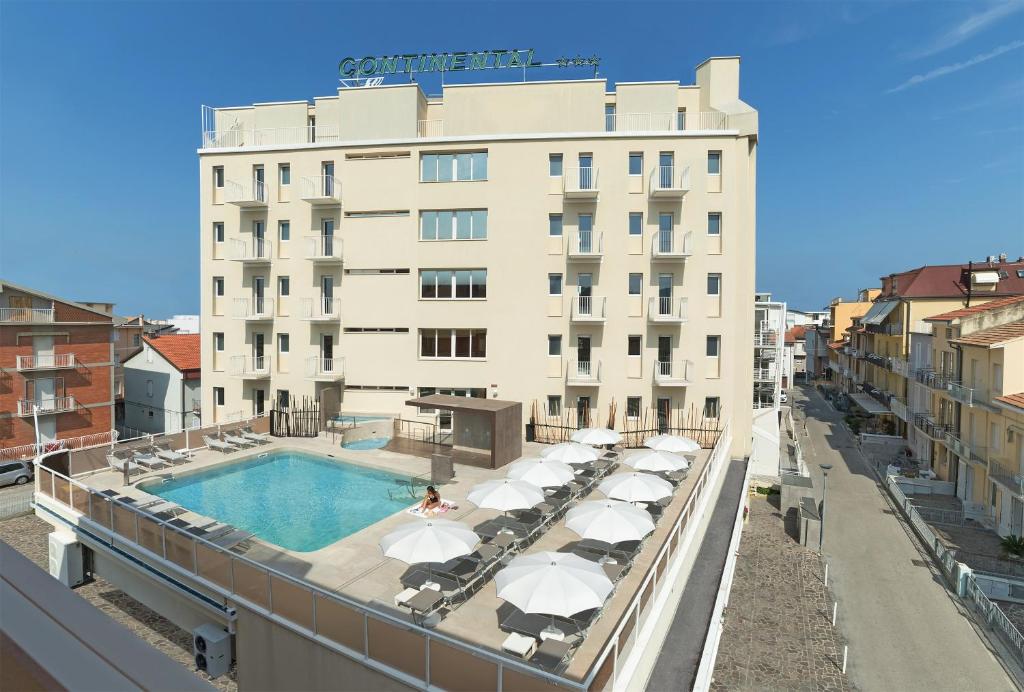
(505, 494)
(635, 487)
(571, 453)
(654, 460)
(672, 443)
(544, 473)
(435, 540)
(610, 521)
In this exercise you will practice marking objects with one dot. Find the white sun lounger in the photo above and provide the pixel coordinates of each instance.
(118, 464)
(214, 443)
(237, 441)
(260, 438)
(148, 460)
(167, 454)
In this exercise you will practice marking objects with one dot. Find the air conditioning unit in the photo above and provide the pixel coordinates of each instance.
(211, 649)
(66, 564)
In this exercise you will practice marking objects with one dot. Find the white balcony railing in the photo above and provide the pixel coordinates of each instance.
(269, 136)
(255, 251)
(319, 309)
(921, 327)
(323, 248)
(968, 396)
(588, 309)
(321, 189)
(586, 245)
(252, 193)
(669, 374)
(764, 375)
(26, 315)
(666, 122)
(670, 181)
(51, 405)
(254, 309)
(900, 366)
(583, 372)
(580, 182)
(430, 128)
(671, 245)
(899, 407)
(325, 369)
(663, 309)
(250, 367)
(51, 361)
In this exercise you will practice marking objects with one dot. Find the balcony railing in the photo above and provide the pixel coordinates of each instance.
(669, 181)
(1009, 478)
(875, 359)
(893, 329)
(52, 361)
(26, 315)
(968, 396)
(957, 446)
(669, 245)
(269, 136)
(430, 128)
(927, 425)
(921, 327)
(254, 309)
(899, 407)
(899, 366)
(581, 183)
(48, 406)
(586, 245)
(666, 122)
(321, 189)
(583, 372)
(935, 380)
(325, 369)
(319, 309)
(252, 193)
(666, 310)
(250, 367)
(669, 374)
(763, 375)
(256, 251)
(323, 248)
(768, 339)
(588, 309)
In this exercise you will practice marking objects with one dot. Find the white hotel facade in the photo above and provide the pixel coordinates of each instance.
(553, 241)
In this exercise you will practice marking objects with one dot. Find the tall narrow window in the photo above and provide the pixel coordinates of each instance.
(218, 176)
(283, 286)
(554, 284)
(609, 117)
(714, 346)
(218, 396)
(636, 163)
(218, 341)
(681, 119)
(633, 345)
(554, 224)
(554, 165)
(283, 343)
(714, 163)
(632, 407)
(218, 232)
(554, 344)
(714, 223)
(636, 223)
(285, 174)
(554, 405)
(218, 286)
(711, 405)
(636, 281)
(284, 230)
(714, 284)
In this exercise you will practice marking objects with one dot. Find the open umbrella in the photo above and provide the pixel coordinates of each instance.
(672, 443)
(435, 540)
(596, 436)
(610, 521)
(544, 473)
(553, 584)
(571, 453)
(654, 460)
(505, 494)
(635, 487)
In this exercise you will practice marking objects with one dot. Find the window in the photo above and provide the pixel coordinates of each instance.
(633, 343)
(218, 176)
(632, 407)
(218, 286)
(636, 163)
(665, 221)
(284, 230)
(218, 342)
(218, 232)
(385, 270)
(447, 284)
(453, 343)
(382, 213)
(681, 119)
(446, 168)
(149, 388)
(283, 286)
(136, 340)
(636, 223)
(714, 163)
(554, 344)
(462, 224)
(609, 117)
(218, 396)
(554, 165)
(635, 284)
(714, 284)
(284, 172)
(554, 284)
(282, 398)
(711, 407)
(714, 346)
(714, 223)
(554, 405)
(283, 343)
(554, 224)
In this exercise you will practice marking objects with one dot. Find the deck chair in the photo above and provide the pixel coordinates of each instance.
(214, 443)
(148, 460)
(118, 461)
(258, 438)
(237, 440)
(164, 451)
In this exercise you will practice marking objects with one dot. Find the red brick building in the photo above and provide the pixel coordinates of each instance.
(55, 356)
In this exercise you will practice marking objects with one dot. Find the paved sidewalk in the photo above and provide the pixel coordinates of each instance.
(906, 630)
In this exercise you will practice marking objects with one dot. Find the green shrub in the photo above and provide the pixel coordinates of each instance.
(767, 490)
(1013, 545)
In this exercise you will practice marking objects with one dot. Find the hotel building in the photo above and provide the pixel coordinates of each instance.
(570, 243)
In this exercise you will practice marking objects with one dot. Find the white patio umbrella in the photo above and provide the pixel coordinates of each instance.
(544, 473)
(610, 521)
(553, 584)
(571, 453)
(596, 436)
(635, 487)
(655, 460)
(672, 443)
(435, 540)
(505, 494)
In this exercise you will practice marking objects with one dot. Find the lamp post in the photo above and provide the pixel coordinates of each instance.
(825, 468)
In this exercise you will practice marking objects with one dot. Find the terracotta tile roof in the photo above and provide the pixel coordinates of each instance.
(1014, 400)
(975, 309)
(837, 344)
(993, 335)
(797, 333)
(945, 280)
(181, 350)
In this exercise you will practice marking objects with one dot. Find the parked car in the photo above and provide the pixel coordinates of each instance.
(16, 472)
(784, 397)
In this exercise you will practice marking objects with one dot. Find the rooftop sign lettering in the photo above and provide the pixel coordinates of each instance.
(414, 63)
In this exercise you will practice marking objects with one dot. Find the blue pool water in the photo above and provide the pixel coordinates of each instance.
(297, 501)
(368, 443)
(353, 420)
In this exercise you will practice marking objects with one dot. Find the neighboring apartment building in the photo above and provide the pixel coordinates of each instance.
(770, 356)
(803, 318)
(833, 338)
(569, 242)
(795, 356)
(56, 356)
(162, 385)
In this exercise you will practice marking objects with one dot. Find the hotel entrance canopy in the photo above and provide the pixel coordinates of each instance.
(490, 428)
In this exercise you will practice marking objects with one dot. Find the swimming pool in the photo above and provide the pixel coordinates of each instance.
(367, 443)
(298, 501)
(355, 419)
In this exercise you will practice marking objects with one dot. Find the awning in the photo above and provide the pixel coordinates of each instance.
(879, 311)
(870, 404)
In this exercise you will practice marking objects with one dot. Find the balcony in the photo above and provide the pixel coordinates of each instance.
(320, 309)
(900, 366)
(251, 194)
(957, 446)
(666, 310)
(894, 329)
(921, 327)
(583, 373)
(53, 361)
(669, 182)
(588, 309)
(855, 353)
(430, 128)
(256, 251)
(580, 183)
(270, 136)
(927, 425)
(968, 396)
(325, 369)
(899, 407)
(769, 339)
(875, 359)
(324, 249)
(669, 374)
(666, 122)
(321, 190)
(48, 406)
(250, 367)
(254, 309)
(1007, 477)
(671, 246)
(26, 315)
(586, 246)
(764, 375)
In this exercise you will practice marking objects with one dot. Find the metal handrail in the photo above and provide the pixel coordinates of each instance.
(670, 178)
(589, 306)
(58, 404)
(586, 243)
(317, 366)
(250, 366)
(669, 243)
(321, 187)
(257, 308)
(254, 190)
(583, 371)
(258, 249)
(45, 361)
(26, 314)
(323, 308)
(580, 179)
(661, 307)
(320, 246)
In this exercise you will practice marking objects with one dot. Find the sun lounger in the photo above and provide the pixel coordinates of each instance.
(532, 624)
(148, 460)
(258, 438)
(237, 441)
(424, 603)
(164, 451)
(118, 462)
(551, 655)
(623, 552)
(214, 443)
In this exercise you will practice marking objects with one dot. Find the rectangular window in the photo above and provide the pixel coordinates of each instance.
(445, 168)
(218, 396)
(463, 344)
(555, 165)
(633, 343)
(636, 163)
(714, 223)
(283, 344)
(218, 176)
(711, 407)
(284, 230)
(218, 341)
(714, 163)
(714, 284)
(463, 224)
(632, 407)
(554, 405)
(609, 117)
(284, 286)
(636, 223)
(554, 344)
(554, 224)
(681, 119)
(218, 232)
(665, 221)
(285, 174)
(636, 282)
(218, 286)
(453, 283)
(149, 388)
(714, 345)
(554, 284)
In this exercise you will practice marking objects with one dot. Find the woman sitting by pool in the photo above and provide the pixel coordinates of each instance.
(432, 501)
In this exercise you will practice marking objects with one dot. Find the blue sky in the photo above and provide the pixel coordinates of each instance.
(892, 135)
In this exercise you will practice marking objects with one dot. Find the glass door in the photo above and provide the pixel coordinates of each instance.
(585, 289)
(586, 172)
(259, 401)
(665, 223)
(258, 294)
(258, 184)
(666, 168)
(259, 237)
(664, 294)
(327, 237)
(583, 412)
(583, 364)
(328, 168)
(327, 353)
(327, 294)
(586, 241)
(665, 355)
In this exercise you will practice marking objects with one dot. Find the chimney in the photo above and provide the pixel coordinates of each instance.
(1002, 258)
